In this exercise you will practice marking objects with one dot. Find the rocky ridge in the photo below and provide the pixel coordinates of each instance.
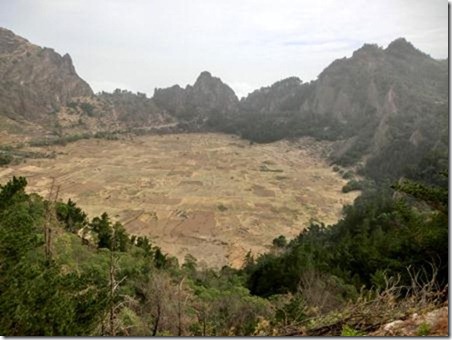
(208, 102)
(378, 104)
(35, 81)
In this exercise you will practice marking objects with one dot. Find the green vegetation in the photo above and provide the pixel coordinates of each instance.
(14, 155)
(106, 282)
(348, 331)
(377, 233)
(265, 168)
(72, 105)
(106, 135)
(352, 185)
(63, 140)
(87, 108)
(62, 274)
(5, 158)
(222, 207)
(423, 330)
(280, 241)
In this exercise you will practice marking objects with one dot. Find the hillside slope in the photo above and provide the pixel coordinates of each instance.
(35, 81)
(386, 108)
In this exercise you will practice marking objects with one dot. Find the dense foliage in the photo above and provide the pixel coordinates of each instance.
(378, 234)
(98, 280)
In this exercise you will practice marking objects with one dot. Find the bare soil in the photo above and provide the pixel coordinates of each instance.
(214, 196)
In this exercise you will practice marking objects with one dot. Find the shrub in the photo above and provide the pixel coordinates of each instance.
(280, 241)
(347, 175)
(72, 105)
(222, 207)
(5, 158)
(87, 108)
(423, 330)
(348, 331)
(352, 186)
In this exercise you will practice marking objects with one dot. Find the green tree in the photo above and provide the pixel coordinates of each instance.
(72, 217)
(280, 241)
(102, 226)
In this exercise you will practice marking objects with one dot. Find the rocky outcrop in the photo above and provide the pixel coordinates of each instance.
(433, 323)
(386, 106)
(134, 110)
(120, 111)
(39, 87)
(376, 100)
(286, 95)
(35, 81)
(376, 82)
(209, 100)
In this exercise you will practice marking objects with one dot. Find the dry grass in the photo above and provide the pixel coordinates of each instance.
(170, 187)
(394, 310)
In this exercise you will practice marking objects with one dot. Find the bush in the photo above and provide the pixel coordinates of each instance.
(349, 331)
(61, 140)
(424, 329)
(106, 135)
(347, 175)
(352, 186)
(87, 108)
(280, 241)
(222, 207)
(5, 158)
(72, 105)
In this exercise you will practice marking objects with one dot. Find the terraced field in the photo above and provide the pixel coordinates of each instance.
(211, 195)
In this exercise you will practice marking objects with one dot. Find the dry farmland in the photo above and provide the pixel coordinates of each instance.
(211, 195)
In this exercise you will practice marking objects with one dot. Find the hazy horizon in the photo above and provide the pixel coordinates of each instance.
(141, 45)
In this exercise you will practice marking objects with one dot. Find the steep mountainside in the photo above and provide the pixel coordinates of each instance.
(120, 111)
(135, 110)
(390, 103)
(208, 102)
(386, 109)
(381, 105)
(35, 81)
(284, 95)
(375, 84)
(42, 92)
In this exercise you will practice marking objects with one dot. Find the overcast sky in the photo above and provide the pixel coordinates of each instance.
(143, 44)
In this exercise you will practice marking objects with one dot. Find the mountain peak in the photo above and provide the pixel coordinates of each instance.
(400, 42)
(203, 76)
(205, 79)
(402, 47)
(25, 68)
(368, 49)
(9, 41)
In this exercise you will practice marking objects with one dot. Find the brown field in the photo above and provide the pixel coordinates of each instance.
(211, 195)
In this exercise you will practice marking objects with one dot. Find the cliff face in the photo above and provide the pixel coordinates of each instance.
(372, 85)
(134, 110)
(283, 96)
(35, 81)
(378, 82)
(208, 100)
(377, 100)
(39, 88)
(380, 105)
